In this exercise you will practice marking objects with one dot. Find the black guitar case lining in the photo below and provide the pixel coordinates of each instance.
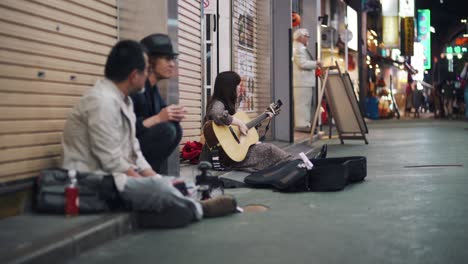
(328, 174)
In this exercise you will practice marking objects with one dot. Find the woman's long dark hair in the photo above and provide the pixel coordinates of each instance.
(225, 90)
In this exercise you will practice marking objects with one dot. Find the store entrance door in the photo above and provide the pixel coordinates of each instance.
(217, 43)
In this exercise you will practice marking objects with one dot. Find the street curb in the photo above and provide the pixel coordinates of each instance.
(68, 244)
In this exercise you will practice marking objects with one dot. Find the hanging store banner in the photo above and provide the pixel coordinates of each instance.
(390, 31)
(424, 34)
(407, 36)
(406, 8)
(352, 16)
(389, 7)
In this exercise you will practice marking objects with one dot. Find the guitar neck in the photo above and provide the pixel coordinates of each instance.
(256, 120)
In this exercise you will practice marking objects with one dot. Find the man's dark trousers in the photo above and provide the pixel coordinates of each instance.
(158, 142)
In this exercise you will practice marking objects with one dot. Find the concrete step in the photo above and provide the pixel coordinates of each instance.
(33, 238)
(38, 238)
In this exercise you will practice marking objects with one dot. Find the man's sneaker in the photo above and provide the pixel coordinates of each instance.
(219, 206)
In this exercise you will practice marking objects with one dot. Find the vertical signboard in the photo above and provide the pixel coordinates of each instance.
(390, 25)
(424, 34)
(352, 27)
(406, 8)
(407, 36)
(390, 31)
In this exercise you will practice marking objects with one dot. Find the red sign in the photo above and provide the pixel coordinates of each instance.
(461, 41)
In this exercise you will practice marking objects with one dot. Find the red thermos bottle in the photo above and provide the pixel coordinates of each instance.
(71, 195)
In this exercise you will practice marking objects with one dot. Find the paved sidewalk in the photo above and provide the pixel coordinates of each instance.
(38, 238)
(411, 209)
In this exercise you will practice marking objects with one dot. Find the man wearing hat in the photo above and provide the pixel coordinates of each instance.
(158, 127)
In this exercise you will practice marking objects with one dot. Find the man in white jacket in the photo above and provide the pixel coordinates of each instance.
(303, 80)
(99, 136)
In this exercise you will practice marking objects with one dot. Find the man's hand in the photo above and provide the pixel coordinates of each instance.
(132, 173)
(172, 113)
(148, 172)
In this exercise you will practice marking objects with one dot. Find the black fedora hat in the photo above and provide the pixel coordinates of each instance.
(158, 44)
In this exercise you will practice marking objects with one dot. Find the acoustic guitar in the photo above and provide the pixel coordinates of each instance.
(230, 139)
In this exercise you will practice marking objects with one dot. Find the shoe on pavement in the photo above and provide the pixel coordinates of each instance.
(219, 206)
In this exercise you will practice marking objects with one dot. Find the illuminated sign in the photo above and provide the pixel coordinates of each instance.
(353, 27)
(390, 31)
(406, 8)
(389, 7)
(461, 41)
(407, 36)
(424, 34)
(455, 50)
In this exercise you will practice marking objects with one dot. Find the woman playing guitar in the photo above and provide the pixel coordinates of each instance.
(221, 112)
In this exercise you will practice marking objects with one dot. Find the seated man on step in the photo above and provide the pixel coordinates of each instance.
(99, 137)
(158, 127)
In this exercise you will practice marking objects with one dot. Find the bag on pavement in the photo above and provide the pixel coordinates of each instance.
(97, 193)
(328, 174)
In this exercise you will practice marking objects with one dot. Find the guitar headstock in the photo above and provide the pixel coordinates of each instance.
(275, 108)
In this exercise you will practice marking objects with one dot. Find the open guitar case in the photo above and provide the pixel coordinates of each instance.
(327, 174)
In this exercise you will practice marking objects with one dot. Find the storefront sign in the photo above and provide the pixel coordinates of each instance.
(424, 34)
(456, 50)
(352, 17)
(389, 7)
(209, 6)
(407, 36)
(461, 41)
(390, 31)
(406, 8)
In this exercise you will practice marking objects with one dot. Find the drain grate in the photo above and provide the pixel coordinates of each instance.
(433, 166)
(253, 208)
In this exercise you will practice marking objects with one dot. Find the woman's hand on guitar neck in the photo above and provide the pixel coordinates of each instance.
(269, 115)
(242, 127)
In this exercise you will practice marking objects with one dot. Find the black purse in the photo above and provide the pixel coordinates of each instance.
(97, 193)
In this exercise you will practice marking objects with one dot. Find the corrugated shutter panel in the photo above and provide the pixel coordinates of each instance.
(51, 52)
(190, 67)
(251, 52)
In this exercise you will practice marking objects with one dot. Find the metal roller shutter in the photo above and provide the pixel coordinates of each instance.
(51, 52)
(251, 53)
(190, 67)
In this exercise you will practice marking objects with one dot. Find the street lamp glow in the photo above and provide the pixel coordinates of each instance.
(432, 30)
